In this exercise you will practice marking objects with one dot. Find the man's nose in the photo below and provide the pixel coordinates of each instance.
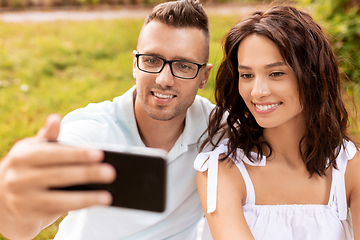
(165, 77)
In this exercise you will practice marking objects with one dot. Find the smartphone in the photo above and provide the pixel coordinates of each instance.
(140, 178)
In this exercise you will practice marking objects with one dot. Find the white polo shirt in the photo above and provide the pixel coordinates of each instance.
(114, 123)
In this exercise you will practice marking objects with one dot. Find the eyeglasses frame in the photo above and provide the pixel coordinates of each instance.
(137, 55)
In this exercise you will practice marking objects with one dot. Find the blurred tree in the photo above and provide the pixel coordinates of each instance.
(341, 18)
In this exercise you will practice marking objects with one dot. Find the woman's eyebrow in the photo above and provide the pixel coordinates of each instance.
(275, 64)
(244, 67)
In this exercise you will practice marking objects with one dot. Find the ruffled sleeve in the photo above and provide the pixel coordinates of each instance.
(339, 190)
(209, 161)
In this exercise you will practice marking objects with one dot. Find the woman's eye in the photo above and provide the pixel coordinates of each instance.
(276, 74)
(246, 75)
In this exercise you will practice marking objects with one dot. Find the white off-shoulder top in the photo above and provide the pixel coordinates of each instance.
(285, 222)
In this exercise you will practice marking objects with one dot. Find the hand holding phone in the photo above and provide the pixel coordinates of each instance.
(141, 178)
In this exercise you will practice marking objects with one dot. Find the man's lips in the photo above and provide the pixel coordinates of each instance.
(163, 96)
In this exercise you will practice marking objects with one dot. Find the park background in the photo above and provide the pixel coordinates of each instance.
(58, 66)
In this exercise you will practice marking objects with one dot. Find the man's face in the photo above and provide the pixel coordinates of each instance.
(163, 96)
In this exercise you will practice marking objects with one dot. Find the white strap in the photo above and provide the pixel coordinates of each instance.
(209, 161)
(338, 188)
(250, 191)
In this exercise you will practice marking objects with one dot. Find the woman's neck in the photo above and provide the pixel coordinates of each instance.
(285, 139)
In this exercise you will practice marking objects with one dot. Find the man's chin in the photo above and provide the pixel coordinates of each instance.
(161, 118)
(162, 115)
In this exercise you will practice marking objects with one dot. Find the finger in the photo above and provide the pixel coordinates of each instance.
(61, 176)
(47, 154)
(62, 201)
(50, 203)
(51, 128)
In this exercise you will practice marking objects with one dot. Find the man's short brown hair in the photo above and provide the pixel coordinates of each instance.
(181, 14)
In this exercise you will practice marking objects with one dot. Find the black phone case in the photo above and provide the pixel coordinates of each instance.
(140, 182)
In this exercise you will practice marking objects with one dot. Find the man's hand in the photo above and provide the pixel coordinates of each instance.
(34, 165)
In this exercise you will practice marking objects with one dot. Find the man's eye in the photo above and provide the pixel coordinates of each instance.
(276, 74)
(184, 66)
(151, 61)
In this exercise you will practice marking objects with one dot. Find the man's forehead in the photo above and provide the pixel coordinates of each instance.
(171, 42)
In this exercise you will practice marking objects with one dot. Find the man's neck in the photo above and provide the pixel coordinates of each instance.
(158, 134)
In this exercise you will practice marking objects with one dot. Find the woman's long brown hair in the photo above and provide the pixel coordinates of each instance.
(305, 48)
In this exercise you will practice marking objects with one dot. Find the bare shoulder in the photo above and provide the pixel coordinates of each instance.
(229, 182)
(201, 177)
(227, 169)
(352, 176)
(353, 167)
(227, 221)
(352, 184)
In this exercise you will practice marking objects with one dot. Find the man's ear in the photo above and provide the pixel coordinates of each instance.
(134, 63)
(206, 75)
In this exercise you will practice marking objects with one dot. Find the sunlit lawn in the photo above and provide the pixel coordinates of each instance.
(61, 66)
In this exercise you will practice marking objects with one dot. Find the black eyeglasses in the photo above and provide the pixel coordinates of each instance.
(179, 68)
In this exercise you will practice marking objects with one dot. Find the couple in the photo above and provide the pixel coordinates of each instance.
(278, 113)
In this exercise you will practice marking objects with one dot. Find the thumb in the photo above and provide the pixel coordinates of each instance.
(51, 128)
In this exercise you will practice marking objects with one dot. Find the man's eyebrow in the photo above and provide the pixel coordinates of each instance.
(178, 58)
(151, 53)
(181, 58)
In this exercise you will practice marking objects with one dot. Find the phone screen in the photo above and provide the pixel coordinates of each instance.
(140, 182)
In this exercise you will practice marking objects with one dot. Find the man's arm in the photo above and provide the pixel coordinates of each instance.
(34, 165)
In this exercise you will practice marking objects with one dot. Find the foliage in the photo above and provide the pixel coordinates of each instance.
(88, 2)
(22, 4)
(341, 18)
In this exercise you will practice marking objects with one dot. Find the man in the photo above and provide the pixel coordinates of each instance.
(161, 111)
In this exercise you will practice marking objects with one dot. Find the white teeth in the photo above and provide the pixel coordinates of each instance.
(266, 107)
(159, 95)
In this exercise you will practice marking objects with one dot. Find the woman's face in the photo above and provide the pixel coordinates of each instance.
(267, 84)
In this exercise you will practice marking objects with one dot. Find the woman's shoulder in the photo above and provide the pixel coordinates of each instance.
(217, 172)
(352, 177)
(226, 182)
(205, 160)
(353, 163)
(349, 150)
(229, 171)
(225, 165)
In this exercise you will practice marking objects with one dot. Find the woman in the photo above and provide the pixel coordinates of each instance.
(279, 89)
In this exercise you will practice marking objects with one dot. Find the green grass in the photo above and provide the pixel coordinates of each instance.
(58, 67)
(61, 66)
